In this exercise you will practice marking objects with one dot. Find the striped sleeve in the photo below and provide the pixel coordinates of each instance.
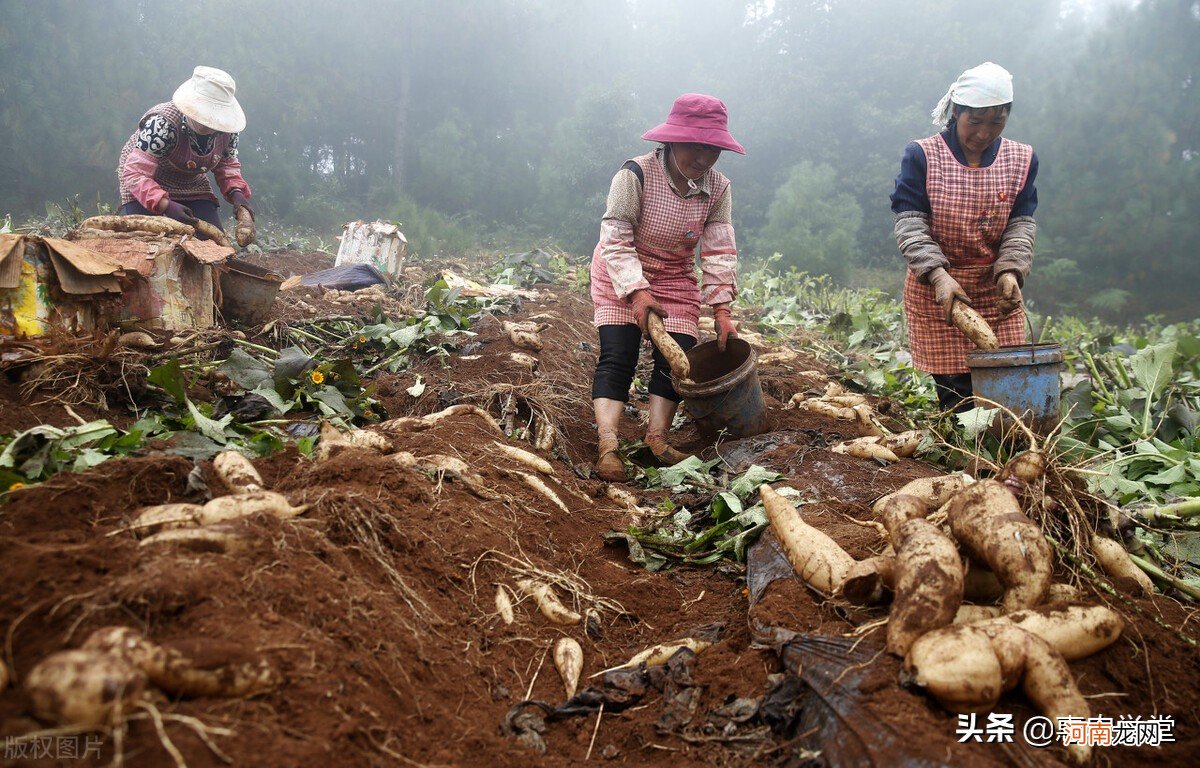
(617, 251)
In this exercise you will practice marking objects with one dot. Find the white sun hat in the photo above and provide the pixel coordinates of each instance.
(208, 99)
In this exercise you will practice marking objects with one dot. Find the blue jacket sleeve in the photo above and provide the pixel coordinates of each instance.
(909, 194)
(1026, 202)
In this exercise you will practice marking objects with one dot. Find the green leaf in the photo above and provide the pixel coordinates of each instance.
(976, 421)
(245, 370)
(212, 429)
(1152, 367)
(268, 393)
(747, 483)
(169, 377)
(333, 400)
(725, 505)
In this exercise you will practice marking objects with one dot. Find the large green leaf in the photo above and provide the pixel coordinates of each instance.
(1152, 367)
(169, 376)
(212, 429)
(245, 370)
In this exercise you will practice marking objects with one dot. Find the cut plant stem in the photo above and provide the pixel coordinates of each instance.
(251, 345)
(1171, 513)
(1160, 574)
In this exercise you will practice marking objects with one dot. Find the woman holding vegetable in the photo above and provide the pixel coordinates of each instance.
(963, 206)
(662, 206)
(163, 165)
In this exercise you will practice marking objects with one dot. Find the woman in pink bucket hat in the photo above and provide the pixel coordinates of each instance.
(662, 207)
(164, 165)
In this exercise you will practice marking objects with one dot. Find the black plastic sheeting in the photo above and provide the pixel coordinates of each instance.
(347, 277)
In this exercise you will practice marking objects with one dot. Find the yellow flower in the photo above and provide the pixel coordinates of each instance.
(317, 377)
(362, 339)
(16, 485)
(368, 414)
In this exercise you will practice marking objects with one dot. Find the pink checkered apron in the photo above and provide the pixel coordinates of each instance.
(665, 237)
(183, 173)
(970, 209)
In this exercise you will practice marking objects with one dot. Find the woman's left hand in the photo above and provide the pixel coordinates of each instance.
(1010, 293)
(726, 329)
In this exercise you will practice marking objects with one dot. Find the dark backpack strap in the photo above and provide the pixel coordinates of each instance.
(631, 165)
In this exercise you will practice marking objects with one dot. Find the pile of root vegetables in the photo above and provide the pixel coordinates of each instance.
(953, 546)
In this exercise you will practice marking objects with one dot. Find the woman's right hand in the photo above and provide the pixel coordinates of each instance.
(643, 304)
(946, 290)
(180, 213)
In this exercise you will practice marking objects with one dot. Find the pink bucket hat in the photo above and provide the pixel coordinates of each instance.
(699, 119)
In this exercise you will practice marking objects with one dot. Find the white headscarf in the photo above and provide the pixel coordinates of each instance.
(988, 85)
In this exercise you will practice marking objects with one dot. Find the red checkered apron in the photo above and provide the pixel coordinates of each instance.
(970, 212)
(665, 237)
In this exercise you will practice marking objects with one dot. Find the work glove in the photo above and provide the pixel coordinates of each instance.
(946, 290)
(180, 213)
(1010, 293)
(643, 304)
(726, 329)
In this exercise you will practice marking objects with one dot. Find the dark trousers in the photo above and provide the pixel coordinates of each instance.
(952, 391)
(203, 209)
(619, 348)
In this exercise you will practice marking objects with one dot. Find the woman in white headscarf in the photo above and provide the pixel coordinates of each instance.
(963, 207)
(164, 166)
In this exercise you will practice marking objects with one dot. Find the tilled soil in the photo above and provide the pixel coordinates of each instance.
(376, 608)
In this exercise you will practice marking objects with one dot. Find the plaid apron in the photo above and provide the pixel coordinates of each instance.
(665, 237)
(970, 210)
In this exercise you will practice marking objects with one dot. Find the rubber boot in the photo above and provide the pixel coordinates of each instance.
(608, 465)
(666, 455)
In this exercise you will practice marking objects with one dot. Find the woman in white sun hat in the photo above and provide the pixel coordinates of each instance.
(963, 206)
(164, 164)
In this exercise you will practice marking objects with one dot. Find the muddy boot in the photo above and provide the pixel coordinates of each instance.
(608, 465)
(665, 454)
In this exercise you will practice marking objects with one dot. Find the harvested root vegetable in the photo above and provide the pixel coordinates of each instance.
(847, 400)
(504, 606)
(536, 484)
(160, 225)
(1114, 561)
(137, 340)
(524, 360)
(568, 659)
(543, 434)
(333, 440)
(866, 448)
(928, 574)
(969, 614)
(224, 673)
(464, 409)
(83, 689)
(973, 326)
(981, 585)
(966, 667)
(225, 508)
(236, 472)
(212, 232)
(246, 232)
(904, 444)
(531, 460)
(1062, 593)
(218, 538)
(816, 558)
(657, 655)
(829, 409)
(1028, 466)
(866, 580)
(934, 491)
(524, 335)
(987, 520)
(782, 356)
(441, 466)
(866, 420)
(676, 358)
(1075, 631)
(548, 602)
(162, 517)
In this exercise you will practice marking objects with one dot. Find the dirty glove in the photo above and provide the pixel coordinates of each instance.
(946, 290)
(643, 304)
(1010, 293)
(180, 213)
(726, 329)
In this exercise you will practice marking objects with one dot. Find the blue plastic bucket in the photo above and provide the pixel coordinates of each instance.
(1024, 379)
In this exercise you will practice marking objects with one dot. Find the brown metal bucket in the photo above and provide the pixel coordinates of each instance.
(247, 292)
(724, 395)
